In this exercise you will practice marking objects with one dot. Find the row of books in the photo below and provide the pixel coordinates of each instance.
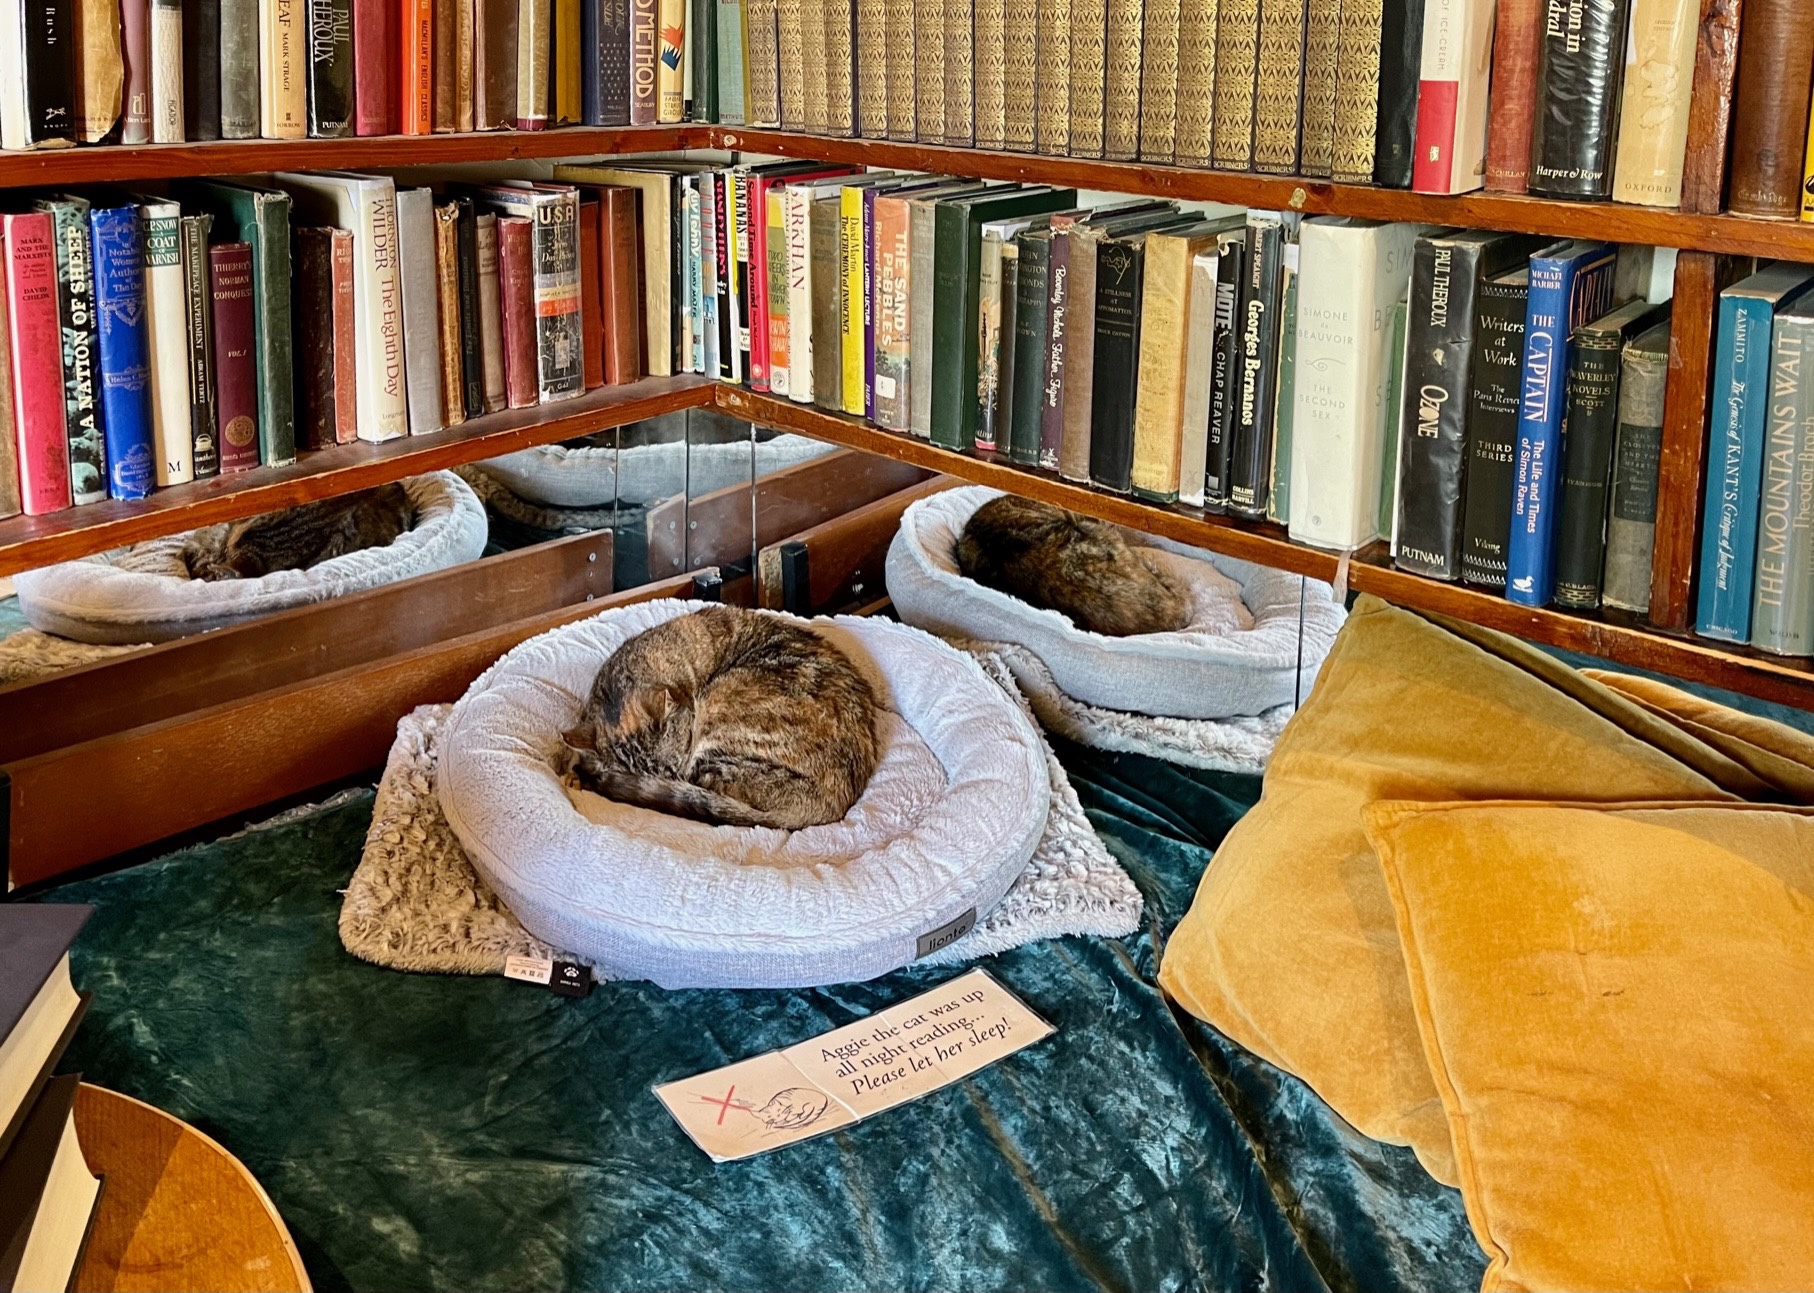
(150, 341)
(1245, 363)
(48, 1194)
(161, 71)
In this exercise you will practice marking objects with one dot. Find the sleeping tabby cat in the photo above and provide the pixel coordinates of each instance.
(1082, 568)
(300, 537)
(729, 716)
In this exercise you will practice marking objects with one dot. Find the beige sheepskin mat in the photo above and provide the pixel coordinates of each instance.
(31, 654)
(416, 903)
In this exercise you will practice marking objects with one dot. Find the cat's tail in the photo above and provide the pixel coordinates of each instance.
(679, 798)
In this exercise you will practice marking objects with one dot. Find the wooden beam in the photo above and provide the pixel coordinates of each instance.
(845, 555)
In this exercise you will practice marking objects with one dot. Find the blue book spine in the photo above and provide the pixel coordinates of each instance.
(1735, 468)
(1565, 292)
(118, 242)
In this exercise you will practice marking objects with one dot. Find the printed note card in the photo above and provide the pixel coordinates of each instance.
(850, 1073)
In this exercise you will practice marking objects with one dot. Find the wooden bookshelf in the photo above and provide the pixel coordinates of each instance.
(27, 542)
(1609, 635)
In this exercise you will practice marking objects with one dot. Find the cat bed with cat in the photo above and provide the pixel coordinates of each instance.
(1240, 655)
(957, 806)
(591, 476)
(144, 593)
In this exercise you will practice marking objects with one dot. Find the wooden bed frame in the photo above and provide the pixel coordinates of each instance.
(839, 563)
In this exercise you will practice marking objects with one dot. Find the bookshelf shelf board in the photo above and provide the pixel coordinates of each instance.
(1615, 222)
(27, 542)
(117, 163)
(1609, 635)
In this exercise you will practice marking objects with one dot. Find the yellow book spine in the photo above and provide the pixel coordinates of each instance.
(1159, 397)
(850, 331)
(1807, 182)
(566, 69)
(670, 76)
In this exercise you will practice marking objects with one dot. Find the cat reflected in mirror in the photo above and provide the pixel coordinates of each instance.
(1082, 568)
(299, 537)
(729, 716)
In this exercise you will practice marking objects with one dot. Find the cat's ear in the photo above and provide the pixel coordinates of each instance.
(579, 738)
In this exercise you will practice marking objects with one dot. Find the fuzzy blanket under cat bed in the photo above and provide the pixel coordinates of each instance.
(144, 594)
(417, 901)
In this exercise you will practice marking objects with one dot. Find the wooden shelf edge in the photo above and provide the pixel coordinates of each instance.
(1609, 636)
(1613, 221)
(27, 542)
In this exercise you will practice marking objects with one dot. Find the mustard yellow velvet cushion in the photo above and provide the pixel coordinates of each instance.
(1773, 751)
(1615, 1004)
(1290, 947)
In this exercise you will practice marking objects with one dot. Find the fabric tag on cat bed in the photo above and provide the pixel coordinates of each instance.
(415, 902)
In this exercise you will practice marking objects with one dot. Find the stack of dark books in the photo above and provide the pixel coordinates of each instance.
(47, 1194)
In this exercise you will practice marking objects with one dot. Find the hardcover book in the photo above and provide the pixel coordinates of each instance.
(472, 357)
(1250, 440)
(1237, 69)
(815, 74)
(1736, 449)
(620, 260)
(1279, 86)
(1322, 51)
(416, 57)
(1089, 76)
(330, 96)
(1053, 78)
(37, 67)
(235, 363)
(490, 315)
(762, 106)
(1199, 344)
(516, 289)
(118, 246)
(1450, 152)
(325, 401)
(872, 68)
(39, 1012)
(135, 51)
(375, 81)
(495, 64)
(1121, 79)
(1513, 98)
(1158, 83)
(554, 211)
(1357, 86)
(417, 260)
(166, 71)
(901, 64)
(447, 296)
(83, 413)
(168, 332)
(1492, 435)
(995, 393)
(960, 73)
(198, 318)
(48, 1194)
(1165, 319)
(35, 343)
(1032, 330)
(645, 50)
(534, 23)
(100, 67)
(1597, 355)
(445, 32)
(1632, 517)
(1580, 67)
(591, 298)
(201, 69)
(734, 97)
(1571, 283)
(564, 64)
(283, 61)
(1400, 65)
(1782, 606)
(1119, 273)
(670, 99)
(826, 300)
(1224, 380)
(1653, 121)
(1770, 113)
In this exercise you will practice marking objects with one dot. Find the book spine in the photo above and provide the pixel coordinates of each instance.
(827, 304)
(283, 69)
(1225, 380)
(733, 61)
(1357, 63)
(1779, 609)
(238, 69)
(564, 70)
(201, 69)
(645, 50)
(465, 65)
(1056, 354)
(949, 272)
(447, 294)
(989, 352)
(1516, 37)
(199, 327)
(1020, 76)
(1432, 438)
(840, 49)
(1450, 152)
(383, 403)
(796, 213)
(1052, 78)
(1118, 292)
(330, 96)
(989, 109)
(755, 198)
(1593, 424)
(1653, 121)
(118, 245)
(535, 18)
(48, 65)
(516, 289)
(83, 415)
(416, 67)
(921, 292)
(1250, 441)
(689, 268)
(169, 345)
(375, 66)
(606, 65)
(314, 375)
(1279, 86)
(1278, 498)
(591, 297)
(790, 36)
(1492, 449)
(270, 221)
(850, 321)
(135, 49)
(1159, 402)
(1158, 83)
(780, 327)
(1032, 326)
(1735, 456)
(1237, 71)
(491, 325)
(929, 70)
(235, 365)
(166, 71)
(622, 258)
(10, 503)
(670, 101)
(1401, 59)
(999, 415)
(1322, 52)
(445, 67)
(872, 69)
(1631, 519)
(421, 310)
(472, 342)
(347, 387)
(36, 356)
(893, 268)
(1079, 365)
(867, 271)
(1770, 115)
(1581, 61)
(762, 90)
(1530, 551)
(1200, 332)
(901, 64)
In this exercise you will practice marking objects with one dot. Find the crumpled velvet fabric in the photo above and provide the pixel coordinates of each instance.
(431, 1132)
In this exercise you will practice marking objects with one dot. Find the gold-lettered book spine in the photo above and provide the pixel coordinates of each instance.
(1279, 87)
(900, 70)
(872, 69)
(991, 107)
(1322, 48)
(1020, 70)
(1121, 109)
(960, 73)
(790, 26)
(815, 74)
(929, 70)
(840, 95)
(1357, 92)
(1054, 75)
(1159, 82)
(764, 102)
(1237, 55)
(1196, 82)
(1089, 52)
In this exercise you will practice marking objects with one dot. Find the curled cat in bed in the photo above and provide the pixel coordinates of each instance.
(732, 717)
(1082, 568)
(299, 537)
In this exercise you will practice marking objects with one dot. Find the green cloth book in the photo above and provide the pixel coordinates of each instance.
(957, 260)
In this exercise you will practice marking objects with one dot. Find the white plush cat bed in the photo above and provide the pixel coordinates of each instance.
(956, 808)
(1240, 655)
(144, 593)
(593, 476)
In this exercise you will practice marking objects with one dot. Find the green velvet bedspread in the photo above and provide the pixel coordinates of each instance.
(453, 1133)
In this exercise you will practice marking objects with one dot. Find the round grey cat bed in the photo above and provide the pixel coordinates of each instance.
(144, 593)
(594, 476)
(1239, 655)
(956, 807)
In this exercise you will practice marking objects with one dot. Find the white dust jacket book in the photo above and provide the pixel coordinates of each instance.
(283, 97)
(166, 71)
(1653, 117)
(1199, 373)
(796, 222)
(421, 308)
(13, 129)
(167, 332)
(1351, 274)
(366, 206)
(1453, 78)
